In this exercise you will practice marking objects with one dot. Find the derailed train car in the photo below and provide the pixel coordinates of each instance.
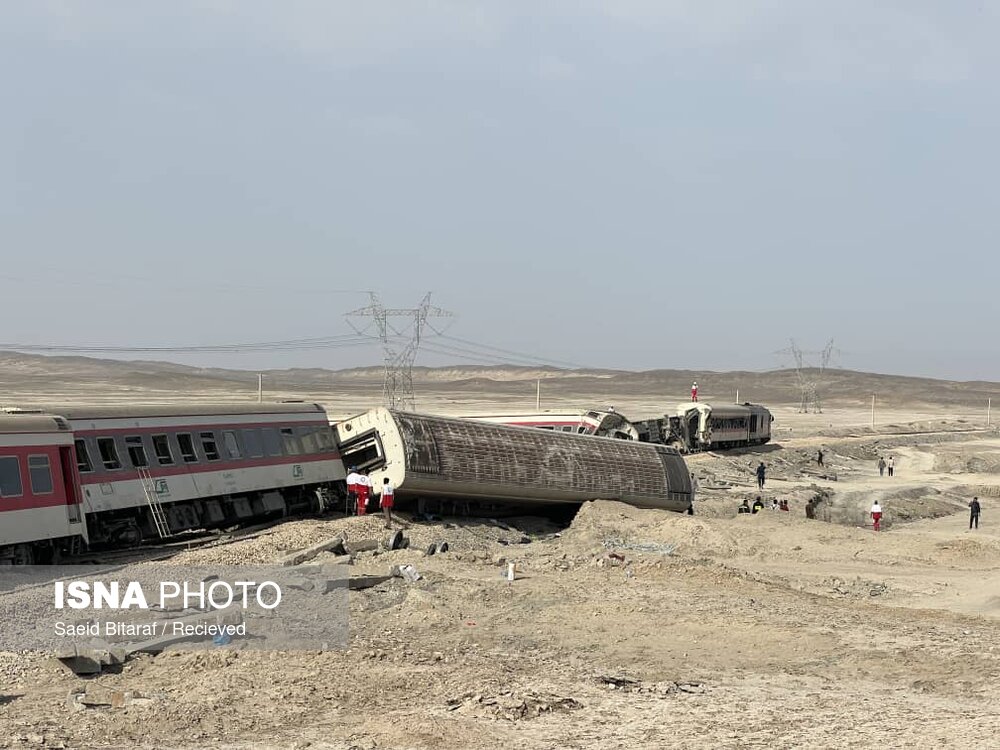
(456, 458)
(701, 426)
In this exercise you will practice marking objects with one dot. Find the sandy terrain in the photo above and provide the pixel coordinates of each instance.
(626, 628)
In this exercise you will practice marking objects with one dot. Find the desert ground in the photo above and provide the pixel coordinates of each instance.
(624, 628)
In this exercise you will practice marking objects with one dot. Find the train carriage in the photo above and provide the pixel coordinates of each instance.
(603, 423)
(437, 457)
(40, 501)
(150, 471)
(702, 426)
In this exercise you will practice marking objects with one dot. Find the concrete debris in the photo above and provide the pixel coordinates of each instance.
(358, 583)
(334, 545)
(96, 697)
(406, 572)
(631, 685)
(509, 705)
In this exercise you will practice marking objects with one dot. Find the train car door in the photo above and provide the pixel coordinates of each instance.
(753, 427)
(71, 487)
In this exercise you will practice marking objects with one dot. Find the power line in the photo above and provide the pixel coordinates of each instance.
(520, 355)
(327, 342)
(399, 351)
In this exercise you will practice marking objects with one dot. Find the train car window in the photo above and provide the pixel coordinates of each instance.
(231, 443)
(186, 444)
(307, 439)
(40, 474)
(567, 428)
(324, 438)
(253, 443)
(136, 452)
(10, 477)
(109, 453)
(272, 442)
(582, 429)
(83, 464)
(161, 447)
(209, 445)
(291, 443)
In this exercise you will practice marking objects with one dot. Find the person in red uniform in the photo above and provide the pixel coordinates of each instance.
(386, 501)
(876, 516)
(352, 489)
(364, 490)
(694, 391)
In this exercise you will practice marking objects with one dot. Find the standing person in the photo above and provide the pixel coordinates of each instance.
(876, 516)
(386, 501)
(881, 466)
(761, 475)
(694, 486)
(364, 490)
(974, 509)
(694, 391)
(819, 457)
(352, 489)
(891, 465)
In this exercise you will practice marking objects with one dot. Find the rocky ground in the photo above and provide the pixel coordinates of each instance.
(625, 628)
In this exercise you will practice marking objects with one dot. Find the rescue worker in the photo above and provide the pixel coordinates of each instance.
(386, 501)
(694, 486)
(819, 457)
(745, 508)
(761, 475)
(783, 505)
(876, 516)
(364, 490)
(352, 489)
(974, 510)
(758, 505)
(694, 391)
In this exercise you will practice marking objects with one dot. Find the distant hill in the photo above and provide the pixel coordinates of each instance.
(34, 377)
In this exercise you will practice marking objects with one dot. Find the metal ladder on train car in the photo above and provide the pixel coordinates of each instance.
(155, 506)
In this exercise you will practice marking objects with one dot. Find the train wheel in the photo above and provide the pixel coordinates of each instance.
(22, 555)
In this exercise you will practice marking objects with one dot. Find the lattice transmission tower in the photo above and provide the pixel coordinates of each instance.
(810, 369)
(400, 330)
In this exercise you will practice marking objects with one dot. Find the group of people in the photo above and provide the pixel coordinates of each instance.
(758, 505)
(883, 465)
(359, 492)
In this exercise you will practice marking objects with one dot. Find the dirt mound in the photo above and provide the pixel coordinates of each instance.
(603, 523)
(968, 463)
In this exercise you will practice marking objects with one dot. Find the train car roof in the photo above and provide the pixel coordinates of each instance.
(20, 423)
(104, 411)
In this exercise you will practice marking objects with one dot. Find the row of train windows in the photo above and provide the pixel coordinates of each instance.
(565, 428)
(39, 474)
(192, 447)
(737, 423)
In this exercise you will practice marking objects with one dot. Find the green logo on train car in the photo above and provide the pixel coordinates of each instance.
(297, 471)
(160, 487)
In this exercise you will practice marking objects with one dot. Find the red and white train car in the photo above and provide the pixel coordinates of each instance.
(605, 423)
(146, 471)
(40, 500)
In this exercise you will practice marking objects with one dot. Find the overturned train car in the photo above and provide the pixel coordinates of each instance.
(425, 456)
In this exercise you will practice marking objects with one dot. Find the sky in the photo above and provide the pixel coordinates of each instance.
(631, 184)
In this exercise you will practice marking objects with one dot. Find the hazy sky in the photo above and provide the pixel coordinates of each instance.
(616, 183)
